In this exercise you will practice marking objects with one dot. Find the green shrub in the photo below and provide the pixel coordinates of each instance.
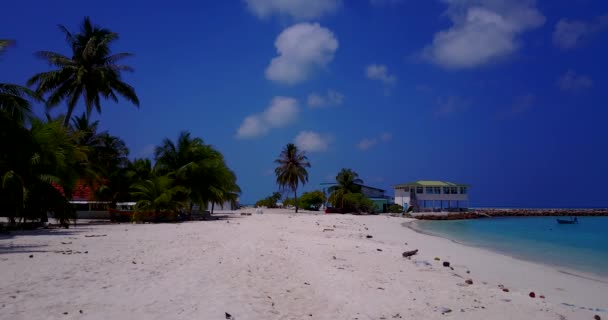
(269, 202)
(312, 200)
(358, 203)
(395, 208)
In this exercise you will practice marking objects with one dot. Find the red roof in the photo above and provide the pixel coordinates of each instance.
(81, 192)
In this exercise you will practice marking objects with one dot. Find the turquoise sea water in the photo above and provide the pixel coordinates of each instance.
(582, 247)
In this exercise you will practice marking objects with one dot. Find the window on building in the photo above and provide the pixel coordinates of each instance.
(406, 189)
(453, 190)
(429, 190)
(446, 190)
(463, 190)
(437, 190)
(419, 190)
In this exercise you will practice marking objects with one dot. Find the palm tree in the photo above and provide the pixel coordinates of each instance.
(15, 99)
(92, 72)
(292, 169)
(140, 169)
(198, 167)
(347, 181)
(157, 195)
(41, 171)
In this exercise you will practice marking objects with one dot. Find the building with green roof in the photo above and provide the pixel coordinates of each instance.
(432, 196)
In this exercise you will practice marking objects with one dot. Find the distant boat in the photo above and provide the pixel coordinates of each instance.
(571, 221)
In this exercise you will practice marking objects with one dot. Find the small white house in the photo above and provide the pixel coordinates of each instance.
(430, 196)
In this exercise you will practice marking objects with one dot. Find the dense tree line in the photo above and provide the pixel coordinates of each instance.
(44, 160)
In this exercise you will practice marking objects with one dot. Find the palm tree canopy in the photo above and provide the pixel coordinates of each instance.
(157, 194)
(198, 167)
(347, 180)
(291, 169)
(15, 100)
(92, 72)
(4, 43)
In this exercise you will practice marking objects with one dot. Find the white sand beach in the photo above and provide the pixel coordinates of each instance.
(276, 266)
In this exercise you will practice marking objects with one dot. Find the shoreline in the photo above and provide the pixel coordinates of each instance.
(481, 213)
(559, 268)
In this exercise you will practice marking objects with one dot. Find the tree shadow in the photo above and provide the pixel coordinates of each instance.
(42, 232)
(10, 248)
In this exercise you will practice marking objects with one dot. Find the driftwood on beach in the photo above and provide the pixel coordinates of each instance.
(486, 213)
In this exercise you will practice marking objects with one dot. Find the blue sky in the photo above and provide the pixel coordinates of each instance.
(508, 96)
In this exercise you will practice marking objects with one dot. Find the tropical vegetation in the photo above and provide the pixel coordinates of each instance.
(346, 193)
(291, 170)
(270, 201)
(312, 200)
(45, 160)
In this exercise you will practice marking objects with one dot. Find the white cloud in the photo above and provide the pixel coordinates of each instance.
(333, 98)
(281, 112)
(367, 143)
(386, 137)
(574, 83)
(482, 32)
(303, 48)
(312, 141)
(296, 9)
(523, 103)
(451, 105)
(380, 72)
(571, 33)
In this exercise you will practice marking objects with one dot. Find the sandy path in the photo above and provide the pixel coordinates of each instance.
(275, 266)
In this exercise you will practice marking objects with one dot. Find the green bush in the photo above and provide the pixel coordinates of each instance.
(289, 202)
(269, 202)
(358, 203)
(312, 200)
(395, 208)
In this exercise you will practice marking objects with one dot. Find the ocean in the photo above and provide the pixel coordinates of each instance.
(578, 247)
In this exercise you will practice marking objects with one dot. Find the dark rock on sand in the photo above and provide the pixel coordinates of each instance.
(469, 281)
(378, 249)
(596, 317)
(368, 236)
(228, 315)
(31, 255)
(446, 264)
(410, 253)
(532, 294)
(505, 290)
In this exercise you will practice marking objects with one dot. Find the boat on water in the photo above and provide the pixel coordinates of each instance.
(564, 221)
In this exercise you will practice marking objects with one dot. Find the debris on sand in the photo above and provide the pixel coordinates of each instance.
(407, 254)
(328, 230)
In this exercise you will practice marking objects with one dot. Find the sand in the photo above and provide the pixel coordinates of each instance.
(276, 266)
